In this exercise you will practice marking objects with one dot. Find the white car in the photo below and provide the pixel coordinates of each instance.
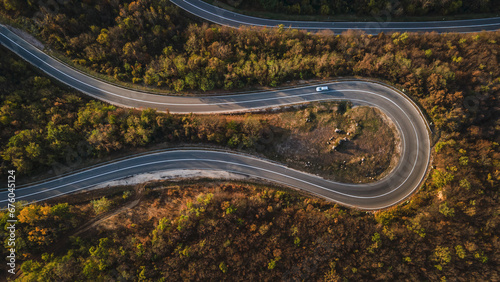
(321, 88)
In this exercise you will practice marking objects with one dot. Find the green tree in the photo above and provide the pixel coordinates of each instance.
(101, 205)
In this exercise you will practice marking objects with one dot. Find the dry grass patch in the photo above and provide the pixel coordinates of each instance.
(341, 143)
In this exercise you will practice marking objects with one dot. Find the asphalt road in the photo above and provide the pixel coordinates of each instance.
(405, 178)
(220, 16)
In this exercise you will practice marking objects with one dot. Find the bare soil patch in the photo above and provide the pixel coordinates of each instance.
(356, 145)
(26, 36)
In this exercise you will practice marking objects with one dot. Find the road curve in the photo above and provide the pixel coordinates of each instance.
(405, 178)
(224, 17)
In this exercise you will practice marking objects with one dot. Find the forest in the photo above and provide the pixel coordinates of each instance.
(152, 43)
(448, 229)
(392, 9)
(205, 230)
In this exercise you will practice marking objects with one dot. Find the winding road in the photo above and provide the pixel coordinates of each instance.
(224, 17)
(394, 188)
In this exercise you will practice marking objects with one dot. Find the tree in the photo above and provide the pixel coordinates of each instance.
(23, 150)
(441, 178)
(101, 205)
(442, 255)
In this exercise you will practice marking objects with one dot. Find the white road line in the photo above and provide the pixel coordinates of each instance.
(306, 27)
(330, 182)
(209, 160)
(241, 102)
(337, 183)
(189, 104)
(343, 22)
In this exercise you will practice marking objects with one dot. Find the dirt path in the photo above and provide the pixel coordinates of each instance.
(60, 245)
(97, 221)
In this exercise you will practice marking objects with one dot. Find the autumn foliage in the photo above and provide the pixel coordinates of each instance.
(236, 231)
(449, 229)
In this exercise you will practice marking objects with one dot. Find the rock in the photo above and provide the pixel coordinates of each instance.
(338, 130)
